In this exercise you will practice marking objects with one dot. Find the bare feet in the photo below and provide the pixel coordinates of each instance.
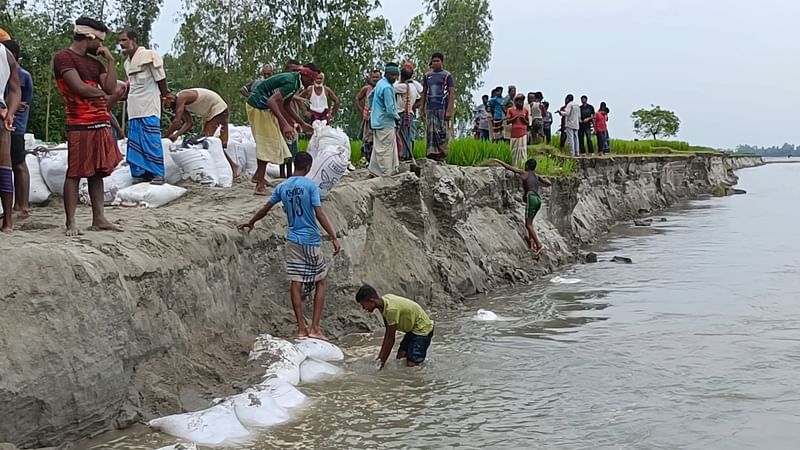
(303, 333)
(22, 214)
(236, 170)
(72, 231)
(104, 225)
(539, 251)
(317, 335)
(8, 227)
(262, 191)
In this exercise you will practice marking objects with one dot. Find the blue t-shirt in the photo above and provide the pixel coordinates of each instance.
(496, 103)
(439, 86)
(383, 111)
(299, 195)
(26, 88)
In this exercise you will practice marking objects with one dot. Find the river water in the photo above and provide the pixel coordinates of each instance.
(695, 345)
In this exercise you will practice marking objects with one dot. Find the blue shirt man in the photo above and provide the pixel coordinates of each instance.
(299, 195)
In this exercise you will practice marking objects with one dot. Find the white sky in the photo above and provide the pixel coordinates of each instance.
(728, 68)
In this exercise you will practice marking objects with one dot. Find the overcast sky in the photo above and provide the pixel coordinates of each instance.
(730, 69)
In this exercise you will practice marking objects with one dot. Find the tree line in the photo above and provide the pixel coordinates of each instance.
(222, 44)
(786, 149)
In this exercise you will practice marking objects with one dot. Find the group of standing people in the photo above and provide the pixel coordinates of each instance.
(85, 74)
(522, 120)
(390, 103)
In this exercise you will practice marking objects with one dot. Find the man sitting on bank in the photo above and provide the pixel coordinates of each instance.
(399, 314)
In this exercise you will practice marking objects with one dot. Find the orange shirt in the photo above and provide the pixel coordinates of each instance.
(519, 128)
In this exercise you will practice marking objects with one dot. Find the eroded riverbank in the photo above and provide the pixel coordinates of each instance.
(106, 330)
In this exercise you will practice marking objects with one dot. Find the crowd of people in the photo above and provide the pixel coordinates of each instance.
(522, 120)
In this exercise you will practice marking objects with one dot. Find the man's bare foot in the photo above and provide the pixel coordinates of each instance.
(539, 251)
(72, 231)
(104, 225)
(22, 214)
(262, 191)
(302, 333)
(236, 170)
(8, 226)
(317, 335)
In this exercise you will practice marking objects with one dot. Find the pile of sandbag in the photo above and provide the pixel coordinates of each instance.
(235, 419)
(242, 148)
(203, 161)
(330, 148)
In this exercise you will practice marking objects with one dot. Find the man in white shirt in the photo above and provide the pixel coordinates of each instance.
(148, 86)
(572, 112)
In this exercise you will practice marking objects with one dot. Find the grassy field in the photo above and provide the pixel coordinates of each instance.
(550, 159)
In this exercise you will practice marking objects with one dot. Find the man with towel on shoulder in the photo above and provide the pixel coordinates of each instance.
(147, 88)
(274, 121)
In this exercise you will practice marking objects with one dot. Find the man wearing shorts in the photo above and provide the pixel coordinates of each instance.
(304, 260)
(401, 314)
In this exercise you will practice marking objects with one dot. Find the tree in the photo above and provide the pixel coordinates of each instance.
(460, 29)
(140, 16)
(655, 122)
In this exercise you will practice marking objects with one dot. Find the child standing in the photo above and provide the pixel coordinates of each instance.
(533, 202)
(518, 118)
(304, 260)
(601, 128)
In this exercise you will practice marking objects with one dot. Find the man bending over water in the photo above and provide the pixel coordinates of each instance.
(304, 260)
(399, 314)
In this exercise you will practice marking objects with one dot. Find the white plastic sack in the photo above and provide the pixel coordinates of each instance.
(53, 167)
(319, 350)
(172, 172)
(326, 136)
(39, 193)
(222, 167)
(329, 165)
(285, 395)
(273, 170)
(485, 315)
(196, 164)
(256, 408)
(122, 145)
(213, 426)
(313, 371)
(119, 179)
(279, 356)
(148, 195)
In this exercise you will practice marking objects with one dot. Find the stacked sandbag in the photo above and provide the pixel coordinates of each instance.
(242, 148)
(53, 168)
(203, 161)
(235, 419)
(330, 148)
(39, 192)
(147, 195)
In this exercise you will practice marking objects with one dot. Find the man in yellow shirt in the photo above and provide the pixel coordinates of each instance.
(399, 314)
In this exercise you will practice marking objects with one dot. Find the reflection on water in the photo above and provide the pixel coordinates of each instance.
(695, 345)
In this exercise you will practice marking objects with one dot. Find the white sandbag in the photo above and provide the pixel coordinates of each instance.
(273, 170)
(148, 195)
(119, 179)
(279, 357)
(285, 395)
(319, 350)
(313, 371)
(196, 165)
(172, 172)
(39, 193)
(237, 153)
(255, 408)
(484, 315)
(250, 158)
(122, 145)
(180, 447)
(325, 136)
(213, 426)
(328, 167)
(222, 167)
(53, 167)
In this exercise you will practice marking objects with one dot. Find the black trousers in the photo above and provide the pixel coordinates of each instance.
(585, 135)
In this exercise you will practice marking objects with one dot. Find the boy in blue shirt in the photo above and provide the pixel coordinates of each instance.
(304, 260)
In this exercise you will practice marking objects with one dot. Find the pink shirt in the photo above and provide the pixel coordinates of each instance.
(600, 121)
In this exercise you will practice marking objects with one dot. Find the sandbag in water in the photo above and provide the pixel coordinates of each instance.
(485, 315)
(320, 350)
(285, 395)
(213, 426)
(279, 356)
(180, 447)
(257, 409)
(313, 371)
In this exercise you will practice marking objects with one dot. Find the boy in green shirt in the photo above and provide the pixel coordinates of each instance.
(399, 314)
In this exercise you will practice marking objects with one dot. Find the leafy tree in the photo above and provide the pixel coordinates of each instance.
(655, 122)
(140, 16)
(460, 29)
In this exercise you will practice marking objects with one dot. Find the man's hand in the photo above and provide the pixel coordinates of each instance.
(288, 132)
(245, 226)
(8, 123)
(105, 53)
(337, 248)
(22, 106)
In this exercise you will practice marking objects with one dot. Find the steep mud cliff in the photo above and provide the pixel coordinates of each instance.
(104, 330)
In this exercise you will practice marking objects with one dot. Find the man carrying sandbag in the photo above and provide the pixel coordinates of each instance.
(304, 260)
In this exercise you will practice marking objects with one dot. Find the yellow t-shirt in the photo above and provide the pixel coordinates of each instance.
(406, 314)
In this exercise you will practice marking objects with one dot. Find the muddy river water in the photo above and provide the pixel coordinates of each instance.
(695, 345)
